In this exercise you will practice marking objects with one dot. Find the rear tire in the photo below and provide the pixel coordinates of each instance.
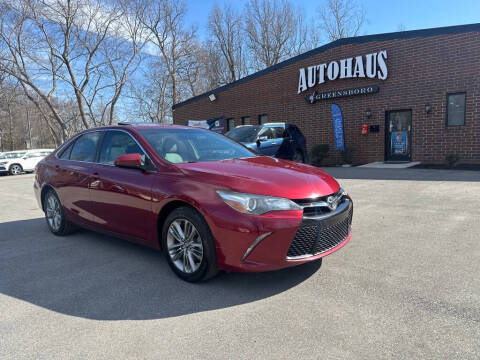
(189, 246)
(15, 169)
(55, 216)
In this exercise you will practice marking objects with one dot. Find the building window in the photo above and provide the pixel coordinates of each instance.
(230, 124)
(246, 120)
(262, 119)
(456, 109)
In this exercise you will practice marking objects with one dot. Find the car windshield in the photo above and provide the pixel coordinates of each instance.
(244, 134)
(12, 155)
(193, 145)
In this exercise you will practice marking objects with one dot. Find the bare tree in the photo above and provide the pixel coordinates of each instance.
(170, 37)
(58, 48)
(341, 19)
(122, 50)
(149, 93)
(21, 125)
(226, 31)
(274, 30)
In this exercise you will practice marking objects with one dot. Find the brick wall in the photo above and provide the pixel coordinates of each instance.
(421, 71)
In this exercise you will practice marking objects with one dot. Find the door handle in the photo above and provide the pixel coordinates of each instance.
(118, 188)
(95, 181)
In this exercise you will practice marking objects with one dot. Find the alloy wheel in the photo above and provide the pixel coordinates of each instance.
(15, 170)
(185, 246)
(53, 212)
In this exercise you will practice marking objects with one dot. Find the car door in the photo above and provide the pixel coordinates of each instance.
(31, 160)
(122, 197)
(269, 141)
(73, 174)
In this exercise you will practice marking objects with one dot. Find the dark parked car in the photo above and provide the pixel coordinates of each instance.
(207, 201)
(280, 140)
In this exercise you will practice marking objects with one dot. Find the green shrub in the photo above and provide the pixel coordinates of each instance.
(451, 160)
(347, 154)
(319, 153)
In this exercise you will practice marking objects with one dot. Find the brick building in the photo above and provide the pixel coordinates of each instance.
(416, 94)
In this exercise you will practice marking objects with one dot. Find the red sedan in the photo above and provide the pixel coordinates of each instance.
(208, 201)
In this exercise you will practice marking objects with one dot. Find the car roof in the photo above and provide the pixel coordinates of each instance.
(139, 125)
(273, 124)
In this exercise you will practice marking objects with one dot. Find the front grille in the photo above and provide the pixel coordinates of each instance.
(315, 237)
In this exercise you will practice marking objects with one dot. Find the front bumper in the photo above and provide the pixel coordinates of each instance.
(289, 238)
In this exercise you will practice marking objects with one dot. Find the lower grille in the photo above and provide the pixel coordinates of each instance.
(315, 237)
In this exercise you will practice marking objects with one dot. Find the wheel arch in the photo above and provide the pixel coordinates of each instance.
(45, 189)
(166, 210)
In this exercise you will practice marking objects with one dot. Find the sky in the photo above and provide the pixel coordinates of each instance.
(382, 16)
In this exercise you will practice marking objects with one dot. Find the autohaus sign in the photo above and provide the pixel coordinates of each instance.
(373, 66)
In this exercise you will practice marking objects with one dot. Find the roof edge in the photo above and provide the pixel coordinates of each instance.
(345, 41)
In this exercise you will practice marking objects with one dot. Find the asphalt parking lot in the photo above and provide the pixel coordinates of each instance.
(406, 286)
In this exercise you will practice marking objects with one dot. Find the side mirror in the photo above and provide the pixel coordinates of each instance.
(261, 139)
(133, 161)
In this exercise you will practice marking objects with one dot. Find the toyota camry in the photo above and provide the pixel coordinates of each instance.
(207, 201)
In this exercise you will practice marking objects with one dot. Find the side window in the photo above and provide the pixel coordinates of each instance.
(262, 119)
(230, 124)
(268, 132)
(65, 155)
(456, 109)
(116, 143)
(85, 147)
(278, 132)
(33, 155)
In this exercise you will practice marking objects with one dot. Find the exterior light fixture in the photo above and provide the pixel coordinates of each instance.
(212, 97)
(368, 114)
(428, 108)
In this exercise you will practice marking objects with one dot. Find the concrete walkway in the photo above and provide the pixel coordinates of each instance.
(403, 174)
(384, 165)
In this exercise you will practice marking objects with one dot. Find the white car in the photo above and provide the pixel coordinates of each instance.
(16, 162)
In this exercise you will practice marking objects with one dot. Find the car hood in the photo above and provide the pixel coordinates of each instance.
(264, 175)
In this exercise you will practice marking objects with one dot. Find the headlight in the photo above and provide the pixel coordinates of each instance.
(256, 204)
(3, 163)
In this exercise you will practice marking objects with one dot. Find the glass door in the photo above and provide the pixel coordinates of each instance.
(398, 130)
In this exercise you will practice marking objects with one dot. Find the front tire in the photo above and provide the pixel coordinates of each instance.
(15, 169)
(55, 216)
(189, 246)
